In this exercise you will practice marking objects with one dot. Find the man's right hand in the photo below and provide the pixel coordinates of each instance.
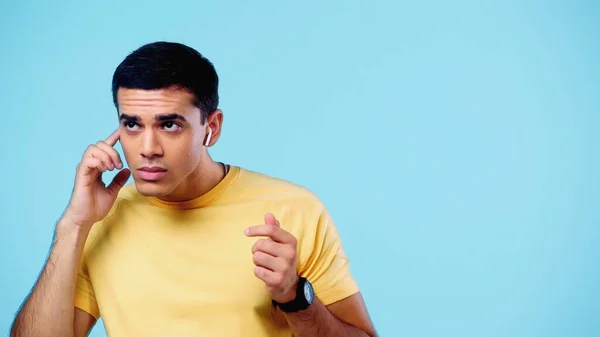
(91, 199)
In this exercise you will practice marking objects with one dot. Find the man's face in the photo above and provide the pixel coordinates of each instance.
(162, 137)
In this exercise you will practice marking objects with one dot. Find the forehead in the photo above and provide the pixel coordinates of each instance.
(150, 102)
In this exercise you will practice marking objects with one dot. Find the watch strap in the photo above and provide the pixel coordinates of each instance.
(298, 303)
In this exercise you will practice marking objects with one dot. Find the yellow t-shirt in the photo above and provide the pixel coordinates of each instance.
(154, 268)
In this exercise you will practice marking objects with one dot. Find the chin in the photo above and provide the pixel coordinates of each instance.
(152, 189)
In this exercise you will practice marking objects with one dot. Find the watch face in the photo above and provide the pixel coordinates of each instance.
(308, 292)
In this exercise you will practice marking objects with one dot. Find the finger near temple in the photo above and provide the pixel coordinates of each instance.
(98, 153)
(90, 166)
(114, 155)
(114, 137)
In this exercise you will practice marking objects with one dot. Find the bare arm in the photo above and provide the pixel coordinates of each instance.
(276, 265)
(346, 318)
(48, 310)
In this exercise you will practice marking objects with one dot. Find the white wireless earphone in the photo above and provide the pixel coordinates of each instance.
(208, 137)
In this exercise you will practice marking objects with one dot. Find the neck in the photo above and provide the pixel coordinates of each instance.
(204, 178)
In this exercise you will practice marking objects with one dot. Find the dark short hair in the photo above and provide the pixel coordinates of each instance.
(161, 65)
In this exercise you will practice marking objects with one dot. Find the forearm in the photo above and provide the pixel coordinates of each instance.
(317, 321)
(49, 309)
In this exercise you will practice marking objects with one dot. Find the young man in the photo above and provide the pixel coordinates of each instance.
(194, 247)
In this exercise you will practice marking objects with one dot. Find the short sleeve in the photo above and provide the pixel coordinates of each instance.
(324, 262)
(85, 299)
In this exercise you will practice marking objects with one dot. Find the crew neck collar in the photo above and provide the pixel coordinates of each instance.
(203, 200)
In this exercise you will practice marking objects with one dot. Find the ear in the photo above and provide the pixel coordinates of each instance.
(215, 124)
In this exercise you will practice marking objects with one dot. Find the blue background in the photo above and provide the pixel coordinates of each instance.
(454, 142)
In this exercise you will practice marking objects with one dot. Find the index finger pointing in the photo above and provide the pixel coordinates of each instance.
(114, 137)
(276, 234)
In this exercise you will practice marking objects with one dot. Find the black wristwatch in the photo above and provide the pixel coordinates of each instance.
(305, 296)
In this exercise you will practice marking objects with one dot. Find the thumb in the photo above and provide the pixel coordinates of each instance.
(119, 181)
(270, 220)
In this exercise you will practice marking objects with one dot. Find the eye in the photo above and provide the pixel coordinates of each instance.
(171, 126)
(131, 126)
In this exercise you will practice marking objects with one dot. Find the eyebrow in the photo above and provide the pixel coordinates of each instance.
(167, 117)
(170, 117)
(129, 118)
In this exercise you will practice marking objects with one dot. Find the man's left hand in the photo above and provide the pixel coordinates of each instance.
(275, 259)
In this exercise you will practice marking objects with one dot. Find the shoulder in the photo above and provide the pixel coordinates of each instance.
(300, 211)
(275, 189)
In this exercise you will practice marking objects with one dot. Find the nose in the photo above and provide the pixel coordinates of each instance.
(150, 147)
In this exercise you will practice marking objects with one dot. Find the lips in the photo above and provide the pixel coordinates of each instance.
(152, 173)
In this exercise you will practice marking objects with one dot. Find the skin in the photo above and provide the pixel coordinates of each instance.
(275, 259)
(48, 309)
(176, 144)
(151, 135)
